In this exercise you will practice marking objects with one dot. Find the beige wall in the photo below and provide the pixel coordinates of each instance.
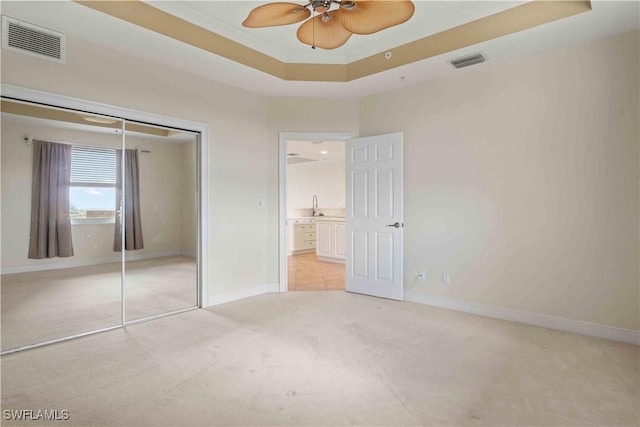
(323, 179)
(189, 214)
(521, 182)
(161, 188)
(161, 196)
(237, 121)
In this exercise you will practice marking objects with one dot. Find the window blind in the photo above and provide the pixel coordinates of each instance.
(91, 167)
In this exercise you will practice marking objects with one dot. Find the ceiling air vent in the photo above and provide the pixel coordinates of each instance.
(465, 61)
(27, 38)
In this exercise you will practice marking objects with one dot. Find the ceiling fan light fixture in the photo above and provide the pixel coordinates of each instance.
(348, 5)
(325, 32)
(321, 6)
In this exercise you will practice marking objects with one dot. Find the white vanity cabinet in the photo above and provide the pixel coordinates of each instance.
(330, 244)
(301, 235)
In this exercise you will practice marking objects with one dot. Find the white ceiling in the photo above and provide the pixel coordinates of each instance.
(224, 17)
(326, 151)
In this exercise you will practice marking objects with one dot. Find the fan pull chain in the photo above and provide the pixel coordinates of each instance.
(313, 29)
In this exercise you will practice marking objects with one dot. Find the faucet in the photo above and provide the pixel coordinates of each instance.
(314, 205)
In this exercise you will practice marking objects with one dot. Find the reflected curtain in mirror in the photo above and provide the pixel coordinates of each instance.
(50, 222)
(131, 214)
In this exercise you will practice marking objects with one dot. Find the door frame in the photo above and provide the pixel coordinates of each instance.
(282, 190)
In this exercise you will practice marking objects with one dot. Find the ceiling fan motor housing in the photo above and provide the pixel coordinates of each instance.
(349, 5)
(321, 6)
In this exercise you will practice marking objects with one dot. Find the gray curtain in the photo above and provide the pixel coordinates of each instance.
(131, 214)
(50, 222)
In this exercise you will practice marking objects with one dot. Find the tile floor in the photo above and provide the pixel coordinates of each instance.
(306, 273)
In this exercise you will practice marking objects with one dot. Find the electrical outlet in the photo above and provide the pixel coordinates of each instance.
(261, 203)
(420, 275)
(446, 279)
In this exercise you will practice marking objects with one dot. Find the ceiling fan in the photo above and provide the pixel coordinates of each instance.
(330, 29)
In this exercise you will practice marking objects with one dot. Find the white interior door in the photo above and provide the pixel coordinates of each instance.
(374, 216)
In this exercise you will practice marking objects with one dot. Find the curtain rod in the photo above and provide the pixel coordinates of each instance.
(29, 141)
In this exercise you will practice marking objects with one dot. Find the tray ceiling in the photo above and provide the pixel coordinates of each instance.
(271, 61)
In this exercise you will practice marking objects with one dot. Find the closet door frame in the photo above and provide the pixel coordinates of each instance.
(201, 131)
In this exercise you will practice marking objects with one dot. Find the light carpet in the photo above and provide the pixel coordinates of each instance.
(328, 358)
(45, 305)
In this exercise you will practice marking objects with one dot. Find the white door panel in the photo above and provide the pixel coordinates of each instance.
(384, 201)
(360, 194)
(360, 254)
(374, 204)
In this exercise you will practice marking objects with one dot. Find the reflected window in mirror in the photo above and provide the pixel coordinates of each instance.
(92, 193)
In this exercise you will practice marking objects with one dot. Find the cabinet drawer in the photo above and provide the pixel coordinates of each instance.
(310, 236)
(309, 228)
(310, 244)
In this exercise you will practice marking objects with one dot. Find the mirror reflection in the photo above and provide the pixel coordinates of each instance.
(76, 196)
(59, 276)
(160, 221)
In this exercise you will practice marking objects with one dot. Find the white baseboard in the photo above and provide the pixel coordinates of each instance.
(331, 259)
(301, 251)
(60, 263)
(273, 287)
(552, 322)
(189, 254)
(243, 293)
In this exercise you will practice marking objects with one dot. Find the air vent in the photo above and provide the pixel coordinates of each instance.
(476, 58)
(27, 38)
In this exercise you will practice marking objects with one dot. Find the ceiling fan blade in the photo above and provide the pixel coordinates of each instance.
(324, 31)
(370, 16)
(275, 14)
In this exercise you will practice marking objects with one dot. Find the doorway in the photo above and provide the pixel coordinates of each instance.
(312, 211)
(374, 207)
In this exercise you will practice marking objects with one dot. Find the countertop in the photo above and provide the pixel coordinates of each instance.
(320, 218)
(330, 218)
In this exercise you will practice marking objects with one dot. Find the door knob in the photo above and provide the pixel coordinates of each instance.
(396, 225)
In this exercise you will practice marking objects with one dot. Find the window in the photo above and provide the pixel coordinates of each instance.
(92, 194)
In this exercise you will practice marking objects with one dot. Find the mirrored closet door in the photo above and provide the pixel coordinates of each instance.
(60, 277)
(159, 175)
(99, 223)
